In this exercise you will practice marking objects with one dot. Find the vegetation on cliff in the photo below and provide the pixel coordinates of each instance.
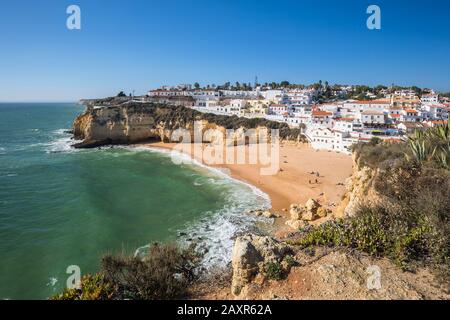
(174, 117)
(165, 273)
(412, 225)
(134, 122)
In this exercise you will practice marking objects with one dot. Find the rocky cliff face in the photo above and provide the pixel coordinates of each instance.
(136, 122)
(361, 188)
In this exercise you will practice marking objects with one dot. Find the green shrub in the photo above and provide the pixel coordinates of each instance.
(93, 287)
(164, 274)
(273, 270)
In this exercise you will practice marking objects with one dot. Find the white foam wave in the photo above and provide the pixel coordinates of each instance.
(218, 171)
(214, 235)
(61, 142)
(52, 281)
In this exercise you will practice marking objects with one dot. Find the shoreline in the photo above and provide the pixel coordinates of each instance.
(294, 183)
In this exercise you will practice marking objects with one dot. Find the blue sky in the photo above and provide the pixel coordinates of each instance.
(137, 45)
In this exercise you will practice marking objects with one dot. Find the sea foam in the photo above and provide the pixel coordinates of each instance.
(215, 233)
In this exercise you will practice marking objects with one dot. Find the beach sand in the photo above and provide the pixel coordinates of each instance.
(294, 183)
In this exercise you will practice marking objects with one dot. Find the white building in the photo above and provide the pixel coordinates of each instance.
(297, 97)
(436, 111)
(168, 93)
(240, 93)
(347, 125)
(370, 117)
(372, 105)
(409, 115)
(429, 98)
(272, 95)
(204, 94)
(332, 140)
(278, 109)
(322, 118)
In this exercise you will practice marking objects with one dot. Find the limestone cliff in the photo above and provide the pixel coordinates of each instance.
(360, 188)
(135, 122)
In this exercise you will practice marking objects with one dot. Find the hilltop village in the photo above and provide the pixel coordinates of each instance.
(331, 117)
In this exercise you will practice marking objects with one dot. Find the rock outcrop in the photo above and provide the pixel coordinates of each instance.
(361, 188)
(250, 254)
(302, 215)
(264, 213)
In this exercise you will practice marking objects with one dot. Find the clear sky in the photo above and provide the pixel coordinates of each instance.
(136, 45)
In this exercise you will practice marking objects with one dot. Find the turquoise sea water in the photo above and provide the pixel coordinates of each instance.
(61, 207)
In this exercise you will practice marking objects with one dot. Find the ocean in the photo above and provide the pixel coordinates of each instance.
(61, 207)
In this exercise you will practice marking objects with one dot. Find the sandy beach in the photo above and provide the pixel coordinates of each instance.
(304, 173)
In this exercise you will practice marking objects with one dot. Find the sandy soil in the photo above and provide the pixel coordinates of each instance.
(337, 275)
(295, 182)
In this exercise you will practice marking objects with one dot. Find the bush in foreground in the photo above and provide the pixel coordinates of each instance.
(93, 287)
(165, 273)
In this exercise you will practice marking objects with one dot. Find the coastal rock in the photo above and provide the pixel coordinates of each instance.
(296, 224)
(309, 216)
(323, 212)
(250, 253)
(312, 205)
(296, 211)
(264, 213)
(269, 214)
(108, 122)
(310, 212)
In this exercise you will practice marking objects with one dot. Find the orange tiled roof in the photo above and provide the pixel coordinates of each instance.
(320, 113)
(372, 102)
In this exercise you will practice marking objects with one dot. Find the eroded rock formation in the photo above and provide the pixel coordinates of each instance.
(133, 122)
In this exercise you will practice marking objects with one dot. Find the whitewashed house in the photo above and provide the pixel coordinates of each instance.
(347, 125)
(322, 118)
(321, 138)
(278, 109)
(429, 98)
(409, 115)
(370, 117)
(436, 111)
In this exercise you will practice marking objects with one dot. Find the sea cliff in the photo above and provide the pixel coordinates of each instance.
(133, 122)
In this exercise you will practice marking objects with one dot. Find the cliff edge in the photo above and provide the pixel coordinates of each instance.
(137, 122)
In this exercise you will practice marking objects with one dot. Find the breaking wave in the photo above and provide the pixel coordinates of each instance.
(214, 234)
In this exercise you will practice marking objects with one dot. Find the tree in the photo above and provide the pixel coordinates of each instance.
(196, 85)
(284, 83)
(121, 94)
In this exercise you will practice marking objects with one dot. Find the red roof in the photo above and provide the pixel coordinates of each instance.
(320, 113)
(372, 102)
(410, 110)
(439, 122)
